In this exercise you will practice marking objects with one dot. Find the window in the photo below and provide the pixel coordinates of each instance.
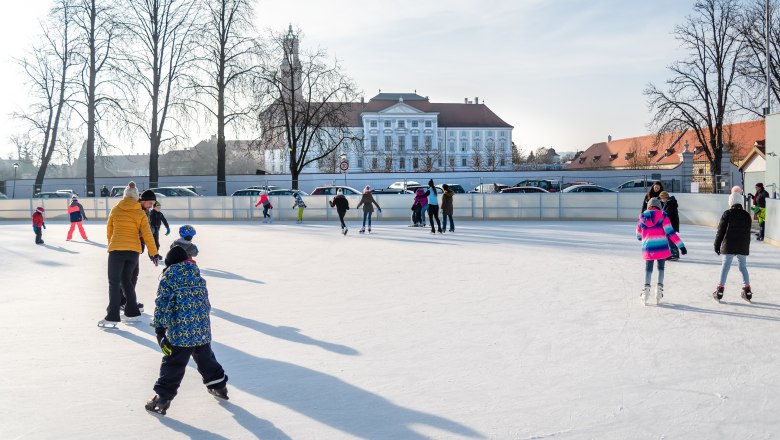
(452, 145)
(401, 143)
(373, 124)
(452, 162)
(463, 162)
(374, 142)
(415, 163)
(360, 163)
(415, 142)
(387, 124)
(373, 164)
(401, 124)
(414, 124)
(503, 162)
(463, 145)
(502, 134)
(476, 134)
(440, 162)
(388, 143)
(464, 133)
(452, 133)
(490, 161)
(490, 133)
(427, 124)
(402, 163)
(428, 142)
(477, 145)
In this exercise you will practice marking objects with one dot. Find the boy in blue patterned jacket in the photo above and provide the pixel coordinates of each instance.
(183, 328)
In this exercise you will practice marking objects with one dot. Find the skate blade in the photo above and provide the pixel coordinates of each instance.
(107, 324)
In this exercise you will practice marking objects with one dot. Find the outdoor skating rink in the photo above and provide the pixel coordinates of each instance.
(503, 330)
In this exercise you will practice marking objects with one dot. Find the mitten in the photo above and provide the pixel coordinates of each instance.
(685, 251)
(163, 342)
(155, 259)
(167, 231)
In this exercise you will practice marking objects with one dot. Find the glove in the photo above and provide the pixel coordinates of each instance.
(155, 259)
(638, 237)
(380, 210)
(44, 225)
(167, 231)
(684, 251)
(717, 250)
(163, 342)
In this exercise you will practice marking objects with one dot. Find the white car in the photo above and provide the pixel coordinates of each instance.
(403, 184)
(587, 189)
(636, 185)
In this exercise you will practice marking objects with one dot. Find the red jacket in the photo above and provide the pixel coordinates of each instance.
(263, 201)
(37, 219)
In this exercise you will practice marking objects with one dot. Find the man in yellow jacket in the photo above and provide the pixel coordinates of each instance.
(127, 222)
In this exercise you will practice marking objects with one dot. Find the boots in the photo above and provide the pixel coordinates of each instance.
(158, 405)
(747, 295)
(717, 295)
(659, 293)
(645, 294)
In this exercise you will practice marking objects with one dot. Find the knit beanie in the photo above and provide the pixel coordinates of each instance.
(148, 196)
(655, 202)
(736, 197)
(177, 254)
(131, 191)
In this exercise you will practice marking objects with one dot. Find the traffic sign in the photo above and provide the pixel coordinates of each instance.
(344, 165)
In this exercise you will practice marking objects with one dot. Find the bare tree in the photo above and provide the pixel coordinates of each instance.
(310, 114)
(226, 64)
(753, 29)
(157, 60)
(700, 96)
(26, 147)
(48, 70)
(518, 158)
(637, 156)
(429, 157)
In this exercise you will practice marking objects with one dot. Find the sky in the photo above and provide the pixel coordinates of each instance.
(564, 73)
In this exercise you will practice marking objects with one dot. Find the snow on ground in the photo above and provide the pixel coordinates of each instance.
(503, 330)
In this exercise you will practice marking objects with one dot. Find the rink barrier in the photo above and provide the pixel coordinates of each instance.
(697, 209)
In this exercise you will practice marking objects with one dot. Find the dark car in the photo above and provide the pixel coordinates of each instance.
(587, 189)
(247, 192)
(176, 191)
(390, 191)
(457, 188)
(524, 189)
(546, 184)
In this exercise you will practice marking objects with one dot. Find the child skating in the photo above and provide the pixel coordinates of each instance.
(156, 220)
(654, 230)
(418, 207)
(38, 224)
(183, 329)
(733, 240)
(342, 206)
(446, 208)
(186, 233)
(77, 215)
(267, 207)
(300, 205)
(368, 202)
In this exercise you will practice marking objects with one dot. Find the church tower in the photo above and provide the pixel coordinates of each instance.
(291, 66)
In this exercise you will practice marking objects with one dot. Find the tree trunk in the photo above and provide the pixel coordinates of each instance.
(91, 105)
(221, 145)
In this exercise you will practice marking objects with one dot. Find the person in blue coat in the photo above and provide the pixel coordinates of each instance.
(433, 206)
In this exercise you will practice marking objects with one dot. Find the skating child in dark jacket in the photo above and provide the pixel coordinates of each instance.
(38, 224)
(157, 219)
(669, 206)
(267, 207)
(342, 206)
(186, 233)
(77, 215)
(183, 329)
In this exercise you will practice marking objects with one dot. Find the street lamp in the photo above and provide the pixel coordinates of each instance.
(13, 194)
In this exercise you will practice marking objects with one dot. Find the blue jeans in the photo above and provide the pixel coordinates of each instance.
(367, 215)
(452, 223)
(726, 265)
(649, 270)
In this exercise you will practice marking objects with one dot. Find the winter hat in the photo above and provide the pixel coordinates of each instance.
(156, 204)
(339, 192)
(74, 197)
(148, 196)
(186, 231)
(663, 195)
(177, 254)
(39, 209)
(760, 185)
(420, 191)
(736, 197)
(655, 202)
(367, 189)
(131, 191)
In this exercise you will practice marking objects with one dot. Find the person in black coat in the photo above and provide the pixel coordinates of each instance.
(733, 239)
(342, 205)
(759, 206)
(653, 192)
(669, 204)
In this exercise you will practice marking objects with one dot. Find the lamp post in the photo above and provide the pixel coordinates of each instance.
(13, 194)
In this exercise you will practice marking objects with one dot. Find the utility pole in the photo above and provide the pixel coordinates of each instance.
(768, 64)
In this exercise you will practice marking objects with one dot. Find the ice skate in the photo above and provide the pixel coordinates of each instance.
(131, 319)
(344, 231)
(659, 293)
(107, 324)
(362, 230)
(220, 393)
(369, 230)
(157, 405)
(265, 221)
(717, 295)
(747, 294)
(645, 294)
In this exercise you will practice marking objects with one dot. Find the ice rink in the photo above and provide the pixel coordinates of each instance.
(503, 330)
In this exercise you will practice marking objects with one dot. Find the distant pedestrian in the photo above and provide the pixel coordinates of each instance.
(447, 208)
(104, 192)
(38, 224)
(733, 239)
(759, 209)
(654, 191)
(299, 204)
(342, 206)
(267, 207)
(654, 230)
(156, 220)
(368, 202)
(669, 204)
(433, 206)
(77, 215)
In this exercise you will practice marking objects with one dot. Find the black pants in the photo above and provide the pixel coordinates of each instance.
(452, 223)
(433, 212)
(156, 235)
(174, 365)
(417, 215)
(38, 235)
(134, 280)
(341, 218)
(121, 265)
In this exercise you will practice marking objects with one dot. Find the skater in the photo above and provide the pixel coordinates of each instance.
(186, 233)
(267, 207)
(183, 329)
(342, 206)
(126, 222)
(653, 191)
(300, 205)
(418, 207)
(104, 192)
(669, 204)
(433, 206)
(446, 207)
(38, 224)
(157, 219)
(654, 230)
(759, 209)
(368, 209)
(733, 240)
(77, 214)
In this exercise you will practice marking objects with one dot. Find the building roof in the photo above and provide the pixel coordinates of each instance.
(395, 97)
(450, 114)
(654, 151)
(758, 151)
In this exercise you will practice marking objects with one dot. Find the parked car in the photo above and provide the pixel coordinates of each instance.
(565, 185)
(636, 185)
(52, 195)
(175, 191)
(119, 191)
(457, 188)
(331, 190)
(285, 192)
(69, 192)
(248, 192)
(524, 189)
(587, 189)
(390, 191)
(489, 188)
(3, 196)
(402, 184)
(263, 187)
(546, 184)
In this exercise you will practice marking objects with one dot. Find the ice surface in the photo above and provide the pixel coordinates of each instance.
(503, 330)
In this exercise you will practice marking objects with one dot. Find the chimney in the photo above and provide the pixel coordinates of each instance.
(476, 100)
(362, 100)
(609, 138)
(465, 100)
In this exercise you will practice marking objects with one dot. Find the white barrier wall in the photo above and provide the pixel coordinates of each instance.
(772, 229)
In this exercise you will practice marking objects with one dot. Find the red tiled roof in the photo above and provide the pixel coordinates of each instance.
(653, 152)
